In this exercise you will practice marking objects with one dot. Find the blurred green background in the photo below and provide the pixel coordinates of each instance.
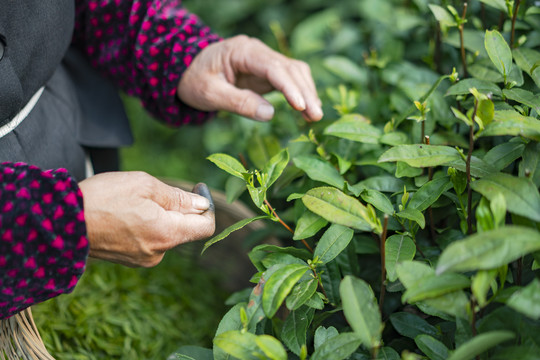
(356, 50)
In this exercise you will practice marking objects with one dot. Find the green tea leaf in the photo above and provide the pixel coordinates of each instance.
(527, 59)
(504, 154)
(413, 215)
(463, 87)
(339, 347)
(404, 170)
(429, 193)
(260, 252)
(394, 138)
(381, 183)
(523, 97)
(388, 353)
(497, 4)
(295, 329)
(481, 283)
(230, 321)
(241, 345)
(442, 15)
(433, 348)
(521, 195)
(192, 353)
(301, 293)
(323, 334)
(411, 325)
(411, 273)
(485, 112)
(258, 195)
(398, 248)
(485, 72)
(279, 285)
(480, 343)
(308, 225)
(271, 347)
(336, 207)
(527, 300)
(361, 310)
(421, 155)
(530, 163)
(239, 225)
(333, 242)
(275, 166)
(461, 116)
(489, 250)
(499, 52)
(319, 170)
(479, 167)
(356, 128)
(508, 122)
(346, 69)
(281, 259)
(378, 200)
(436, 286)
(228, 164)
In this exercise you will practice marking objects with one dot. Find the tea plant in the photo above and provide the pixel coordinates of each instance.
(414, 212)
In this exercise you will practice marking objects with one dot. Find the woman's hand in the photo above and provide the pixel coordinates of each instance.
(132, 218)
(230, 75)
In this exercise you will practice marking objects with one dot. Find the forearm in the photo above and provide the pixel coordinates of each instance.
(43, 244)
(144, 47)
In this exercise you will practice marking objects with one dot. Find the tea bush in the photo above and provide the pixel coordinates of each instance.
(412, 212)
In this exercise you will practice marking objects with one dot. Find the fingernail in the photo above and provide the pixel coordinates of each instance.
(200, 203)
(264, 112)
(204, 201)
(300, 102)
(318, 113)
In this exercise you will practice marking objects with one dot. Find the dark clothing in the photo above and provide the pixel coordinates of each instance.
(143, 47)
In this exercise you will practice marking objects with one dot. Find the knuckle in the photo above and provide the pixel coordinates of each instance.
(242, 38)
(184, 200)
(243, 105)
(145, 182)
(303, 66)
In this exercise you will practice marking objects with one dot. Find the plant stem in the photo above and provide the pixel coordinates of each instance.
(319, 282)
(285, 225)
(468, 171)
(501, 21)
(383, 263)
(462, 41)
(512, 34)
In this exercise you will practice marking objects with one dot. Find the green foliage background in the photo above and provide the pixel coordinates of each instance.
(371, 60)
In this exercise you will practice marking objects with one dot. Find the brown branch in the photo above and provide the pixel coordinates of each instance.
(468, 170)
(383, 263)
(285, 225)
(462, 41)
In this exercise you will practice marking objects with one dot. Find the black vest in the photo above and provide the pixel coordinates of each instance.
(77, 108)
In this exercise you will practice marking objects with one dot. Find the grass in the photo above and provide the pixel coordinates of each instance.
(117, 312)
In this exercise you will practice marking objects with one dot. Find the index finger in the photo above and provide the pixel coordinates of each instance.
(289, 76)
